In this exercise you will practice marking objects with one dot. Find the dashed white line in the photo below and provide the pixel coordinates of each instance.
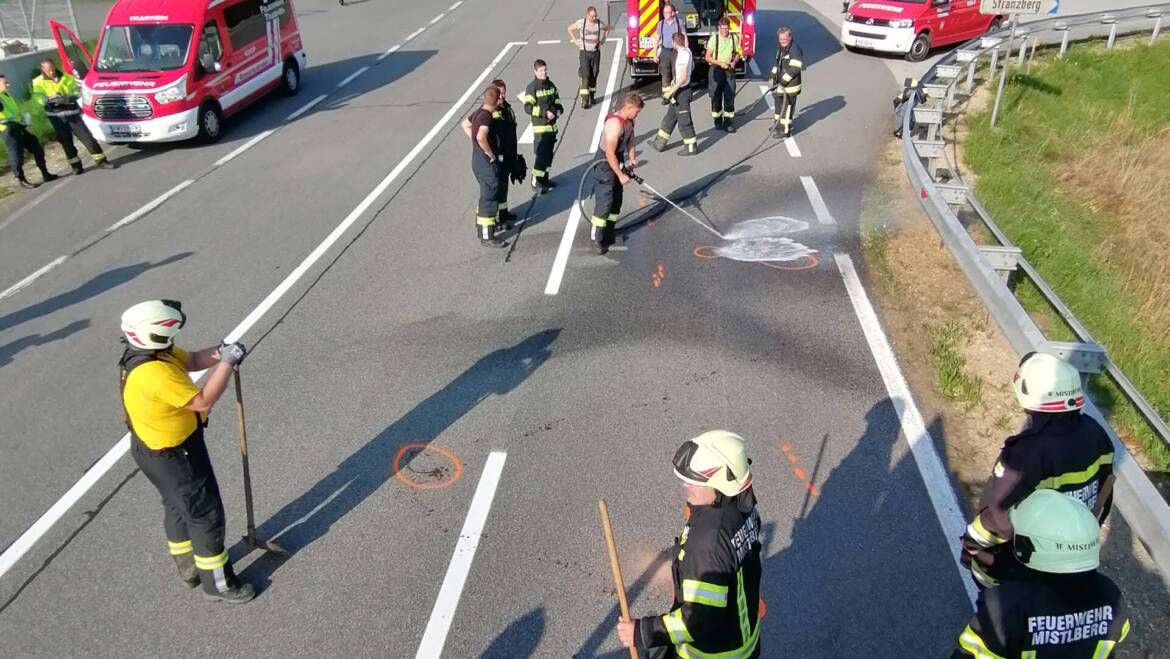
(562, 258)
(243, 147)
(934, 476)
(34, 533)
(754, 67)
(30, 279)
(306, 107)
(793, 150)
(389, 51)
(528, 136)
(414, 34)
(437, 18)
(443, 612)
(455, 6)
(768, 98)
(350, 78)
(23, 210)
(153, 204)
(547, 42)
(817, 201)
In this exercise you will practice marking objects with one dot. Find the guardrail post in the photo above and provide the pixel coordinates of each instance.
(1023, 45)
(971, 75)
(1005, 260)
(994, 60)
(1088, 358)
(1111, 21)
(1154, 13)
(1063, 29)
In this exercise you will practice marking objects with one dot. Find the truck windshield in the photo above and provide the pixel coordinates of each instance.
(136, 48)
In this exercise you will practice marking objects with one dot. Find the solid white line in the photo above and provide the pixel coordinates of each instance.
(562, 258)
(243, 147)
(349, 78)
(527, 137)
(817, 201)
(306, 107)
(793, 150)
(934, 476)
(155, 203)
(42, 525)
(443, 613)
(548, 41)
(31, 278)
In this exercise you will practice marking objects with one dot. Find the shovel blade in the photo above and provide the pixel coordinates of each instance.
(265, 545)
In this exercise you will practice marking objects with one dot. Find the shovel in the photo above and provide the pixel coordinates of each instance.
(250, 538)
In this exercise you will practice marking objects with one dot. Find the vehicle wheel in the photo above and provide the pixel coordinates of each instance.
(920, 48)
(290, 80)
(210, 122)
(995, 25)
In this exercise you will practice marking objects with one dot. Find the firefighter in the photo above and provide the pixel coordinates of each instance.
(665, 50)
(166, 414)
(715, 564)
(679, 98)
(1060, 607)
(486, 163)
(723, 53)
(58, 92)
(617, 145)
(542, 102)
(1059, 448)
(588, 34)
(17, 138)
(786, 82)
(513, 167)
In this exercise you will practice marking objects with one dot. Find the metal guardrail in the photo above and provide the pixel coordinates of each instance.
(989, 268)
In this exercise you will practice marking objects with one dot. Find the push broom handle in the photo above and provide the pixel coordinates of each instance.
(618, 582)
(244, 454)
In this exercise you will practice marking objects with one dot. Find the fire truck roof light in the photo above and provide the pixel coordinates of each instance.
(751, 18)
(633, 22)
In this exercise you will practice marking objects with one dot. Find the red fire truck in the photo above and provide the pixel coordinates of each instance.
(700, 20)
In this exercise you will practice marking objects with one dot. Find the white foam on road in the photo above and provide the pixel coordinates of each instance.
(930, 466)
(562, 258)
(435, 636)
(34, 533)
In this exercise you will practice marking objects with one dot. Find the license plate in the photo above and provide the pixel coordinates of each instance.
(646, 42)
(126, 130)
(865, 43)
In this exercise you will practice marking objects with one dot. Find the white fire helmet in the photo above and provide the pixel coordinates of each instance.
(1044, 383)
(1055, 533)
(152, 325)
(716, 459)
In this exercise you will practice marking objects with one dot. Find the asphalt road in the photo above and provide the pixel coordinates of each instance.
(406, 343)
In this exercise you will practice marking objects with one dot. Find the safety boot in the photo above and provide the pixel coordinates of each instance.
(549, 184)
(222, 584)
(538, 186)
(77, 168)
(729, 125)
(237, 594)
(187, 570)
(25, 183)
(691, 149)
(487, 238)
(659, 144)
(776, 132)
(505, 220)
(104, 163)
(48, 176)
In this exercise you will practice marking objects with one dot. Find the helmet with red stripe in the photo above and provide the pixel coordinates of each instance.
(1044, 383)
(152, 325)
(715, 459)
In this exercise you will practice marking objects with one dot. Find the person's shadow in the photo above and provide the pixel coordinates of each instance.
(365, 471)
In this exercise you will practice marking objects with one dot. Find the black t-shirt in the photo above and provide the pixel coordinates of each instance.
(482, 118)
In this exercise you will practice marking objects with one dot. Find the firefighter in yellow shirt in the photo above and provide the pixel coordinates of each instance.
(166, 414)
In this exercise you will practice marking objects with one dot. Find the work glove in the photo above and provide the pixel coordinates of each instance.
(519, 169)
(232, 353)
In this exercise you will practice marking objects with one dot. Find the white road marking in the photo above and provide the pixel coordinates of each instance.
(306, 107)
(389, 51)
(934, 475)
(548, 41)
(23, 210)
(243, 147)
(349, 78)
(437, 18)
(817, 201)
(793, 150)
(455, 6)
(30, 279)
(768, 98)
(443, 612)
(527, 137)
(562, 258)
(151, 205)
(754, 67)
(34, 533)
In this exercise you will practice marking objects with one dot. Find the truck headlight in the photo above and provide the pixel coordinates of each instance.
(172, 93)
(848, 17)
(86, 95)
(905, 22)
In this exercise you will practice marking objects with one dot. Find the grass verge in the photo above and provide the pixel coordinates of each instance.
(1075, 173)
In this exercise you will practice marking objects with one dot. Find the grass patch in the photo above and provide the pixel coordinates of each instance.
(946, 343)
(1075, 173)
(875, 242)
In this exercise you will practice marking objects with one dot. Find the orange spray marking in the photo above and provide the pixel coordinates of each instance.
(798, 470)
(438, 468)
(658, 276)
